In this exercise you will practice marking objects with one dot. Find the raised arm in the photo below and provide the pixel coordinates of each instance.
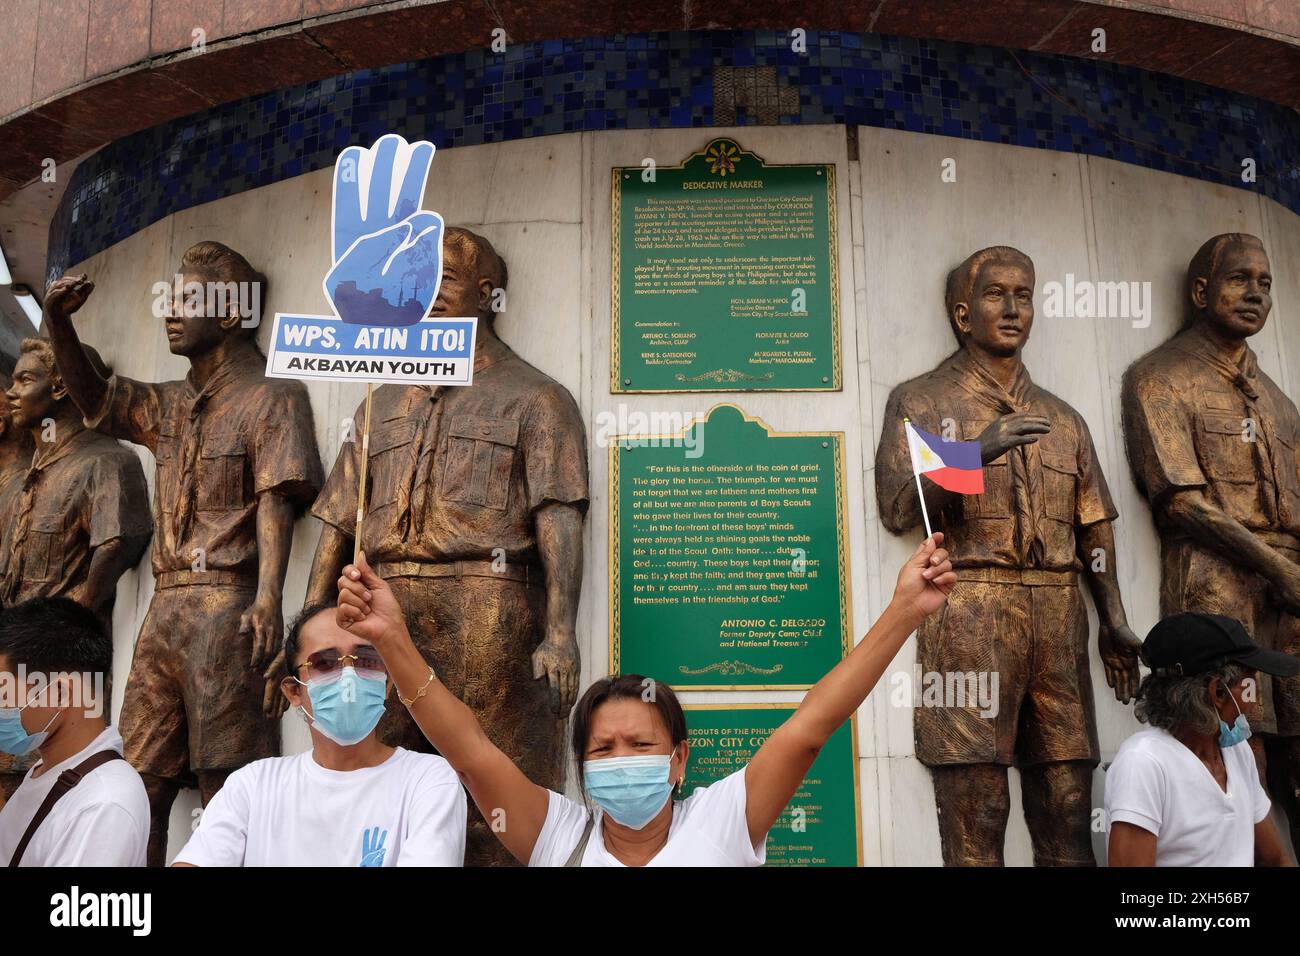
(513, 804)
(63, 298)
(775, 772)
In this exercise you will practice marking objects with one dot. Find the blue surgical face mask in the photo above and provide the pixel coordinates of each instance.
(632, 790)
(14, 738)
(346, 708)
(1239, 731)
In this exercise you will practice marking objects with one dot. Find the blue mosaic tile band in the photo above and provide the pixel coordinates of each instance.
(684, 79)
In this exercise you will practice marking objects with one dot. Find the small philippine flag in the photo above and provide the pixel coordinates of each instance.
(954, 465)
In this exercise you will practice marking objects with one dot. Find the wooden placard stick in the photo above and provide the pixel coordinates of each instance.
(361, 485)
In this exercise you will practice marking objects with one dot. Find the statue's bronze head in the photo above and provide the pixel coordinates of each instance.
(11, 434)
(37, 391)
(1229, 285)
(472, 272)
(217, 294)
(990, 300)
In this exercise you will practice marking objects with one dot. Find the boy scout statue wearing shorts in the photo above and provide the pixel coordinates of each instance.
(236, 461)
(1018, 550)
(474, 517)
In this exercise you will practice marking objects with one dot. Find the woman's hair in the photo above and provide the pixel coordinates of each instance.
(1173, 701)
(625, 687)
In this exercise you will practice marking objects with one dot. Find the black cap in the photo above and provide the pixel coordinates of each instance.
(1193, 643)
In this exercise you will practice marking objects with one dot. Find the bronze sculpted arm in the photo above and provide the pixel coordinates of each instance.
(1196, 516)
(559, 544)
(64, 297)
(1116, 642)
(108, 562)
(333, 552)
(263, 617)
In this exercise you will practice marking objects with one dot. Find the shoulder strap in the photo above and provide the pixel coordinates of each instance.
(575, 858)
(67, 780)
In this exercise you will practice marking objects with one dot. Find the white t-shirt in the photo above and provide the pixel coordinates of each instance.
(708, 829)
(291, 811)
(1158, 784)
(102, 821)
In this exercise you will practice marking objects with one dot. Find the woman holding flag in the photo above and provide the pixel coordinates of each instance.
(630, 743)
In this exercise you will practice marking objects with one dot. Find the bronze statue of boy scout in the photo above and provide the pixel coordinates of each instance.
(475, 503)
(76, 520)
(1018, 549)
(237, 461)
(1212, 442)
(15, 458)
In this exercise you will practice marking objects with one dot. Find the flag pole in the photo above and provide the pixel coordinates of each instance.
(361, 485)
(920, 493)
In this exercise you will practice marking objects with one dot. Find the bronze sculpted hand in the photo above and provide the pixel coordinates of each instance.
(274, 703)
(263, 621)
(66, 294)
(556, 659)
(1010, 431)
(1119, 648)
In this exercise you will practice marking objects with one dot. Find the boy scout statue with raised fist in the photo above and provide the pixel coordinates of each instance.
(236, 462)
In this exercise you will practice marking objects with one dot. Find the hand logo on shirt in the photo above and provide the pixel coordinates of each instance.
(372, 846)
(387, 250)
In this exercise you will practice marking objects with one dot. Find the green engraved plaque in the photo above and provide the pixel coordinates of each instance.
(821, 825)
(728, 551)
(725, 276)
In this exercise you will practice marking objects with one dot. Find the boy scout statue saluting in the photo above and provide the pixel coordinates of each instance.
(1018, 548)
(474, 517)
(1212, 441)
(237, 460)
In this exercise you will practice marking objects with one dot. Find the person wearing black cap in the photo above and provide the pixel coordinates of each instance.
(1186, 792)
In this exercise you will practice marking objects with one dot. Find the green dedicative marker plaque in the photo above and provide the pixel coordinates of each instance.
(725, 276)
(821, 825)
(728, 551)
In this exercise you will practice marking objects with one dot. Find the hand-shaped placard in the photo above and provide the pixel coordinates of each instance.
(387, 250)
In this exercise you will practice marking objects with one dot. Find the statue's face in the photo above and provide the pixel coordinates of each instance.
(1236, 300)
(190, 330)
(32, 396)
(461, 293)
(1000, 313)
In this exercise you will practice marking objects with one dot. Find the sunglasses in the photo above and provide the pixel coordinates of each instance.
(329, 663)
